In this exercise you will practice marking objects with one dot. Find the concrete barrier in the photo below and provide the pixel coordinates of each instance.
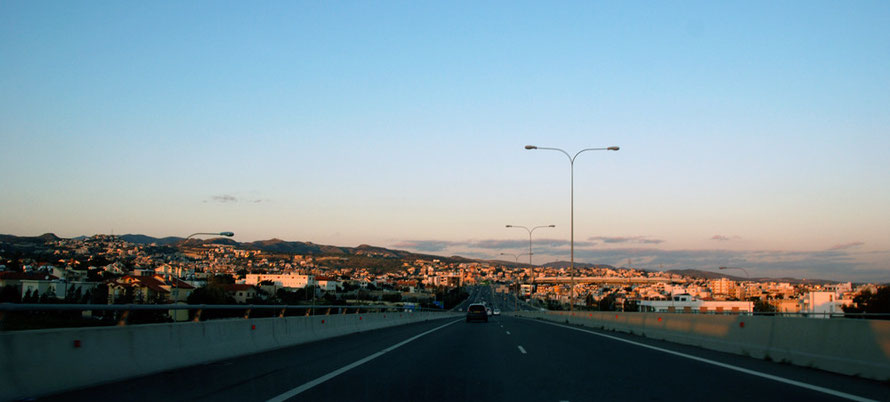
(44, 362)
(846, 346)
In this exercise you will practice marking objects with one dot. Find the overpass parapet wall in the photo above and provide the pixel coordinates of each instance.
(43, 362)
(847, 346)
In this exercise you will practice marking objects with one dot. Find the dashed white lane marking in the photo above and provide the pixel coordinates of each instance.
(302, 388)
(522, 349)
(508, 332)
(724, 365)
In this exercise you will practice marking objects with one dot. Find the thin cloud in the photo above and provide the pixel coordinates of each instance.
(224, 198)
(845, 246)
(724, 238)
(232, 199)
(626, 239)
(497, 244)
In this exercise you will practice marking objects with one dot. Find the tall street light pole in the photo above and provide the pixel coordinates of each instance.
(572, 229)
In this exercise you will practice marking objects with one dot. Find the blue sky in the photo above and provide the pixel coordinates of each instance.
(752, 134)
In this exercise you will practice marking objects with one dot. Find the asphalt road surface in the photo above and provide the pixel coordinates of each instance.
(504, 302)
(506, 359)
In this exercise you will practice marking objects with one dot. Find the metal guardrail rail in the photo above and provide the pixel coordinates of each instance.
(280, 310)
(728, 312)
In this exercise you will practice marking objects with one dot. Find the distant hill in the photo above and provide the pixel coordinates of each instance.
(695, 273)
(290, 247)
(29, 239)
(143, 239)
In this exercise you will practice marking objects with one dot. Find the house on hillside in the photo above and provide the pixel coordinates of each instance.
(148, 289)
(241, 292)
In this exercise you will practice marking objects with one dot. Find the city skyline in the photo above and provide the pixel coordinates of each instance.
(750, 136)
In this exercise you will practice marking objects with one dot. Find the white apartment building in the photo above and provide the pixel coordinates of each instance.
(722, 286)
(822, 304)
(685, 303)
(282, 280)
(327, 284)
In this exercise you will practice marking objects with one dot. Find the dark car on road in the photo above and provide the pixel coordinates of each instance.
(477, 312)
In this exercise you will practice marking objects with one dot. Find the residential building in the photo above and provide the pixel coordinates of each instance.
(684, 303)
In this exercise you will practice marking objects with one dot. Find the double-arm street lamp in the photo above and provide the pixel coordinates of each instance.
(516, 256)
(530, 237)
(572, 207)
(532, 267)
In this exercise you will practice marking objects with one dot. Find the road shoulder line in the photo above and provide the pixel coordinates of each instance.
(720, 364)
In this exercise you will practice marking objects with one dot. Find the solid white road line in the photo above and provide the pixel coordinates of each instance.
(296, 391)
(522, 349)
(724, 365)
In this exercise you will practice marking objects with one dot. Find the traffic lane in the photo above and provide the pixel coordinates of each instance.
(464, 361)
(628, 366)
(255, 377)
(484, 369)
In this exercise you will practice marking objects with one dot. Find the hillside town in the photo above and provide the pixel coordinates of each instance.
(106, 269)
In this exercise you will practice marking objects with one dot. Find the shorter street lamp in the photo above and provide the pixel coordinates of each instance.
(530, 230)
(742, 269)
(225, 234)
(515, 256)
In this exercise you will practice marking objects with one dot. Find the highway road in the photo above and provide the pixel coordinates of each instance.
(504, 302)
(506, 359)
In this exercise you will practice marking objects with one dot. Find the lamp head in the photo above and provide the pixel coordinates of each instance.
(612, 148)
(530, 147)
(509, 226)
(551, 226)
(226, 234)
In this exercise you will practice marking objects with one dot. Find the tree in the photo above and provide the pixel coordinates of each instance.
(287, 297)
(10, 294)
(31, 297)
(761, 306)
(99, 295)
(73, 296)
(392, 297)
(225, 279)
(872, 303)
(631, 305)
(128, 297)
(607, 303)
(210, 294)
